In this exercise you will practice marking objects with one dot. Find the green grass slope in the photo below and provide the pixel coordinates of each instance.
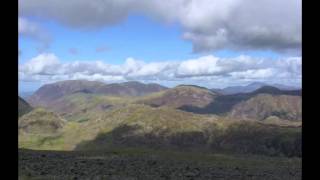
(39, 126)
(164, 128)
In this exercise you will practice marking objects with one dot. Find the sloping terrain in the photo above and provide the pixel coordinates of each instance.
(250, 88)
(83, 106)
(183, 118)
(49, 93)
(167, 128)
(39, 126)
(83, 100)
(131, 88)
(40, 121)
(23, 107)
(262, 106)
(276, 91)
(289, 101)
(183, 95)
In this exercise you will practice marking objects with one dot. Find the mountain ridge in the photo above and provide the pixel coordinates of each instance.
(51, 92)
(251, 88)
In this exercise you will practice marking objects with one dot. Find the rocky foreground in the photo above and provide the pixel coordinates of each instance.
(133, 164)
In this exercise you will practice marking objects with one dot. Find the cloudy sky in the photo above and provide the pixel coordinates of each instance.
(210, 43)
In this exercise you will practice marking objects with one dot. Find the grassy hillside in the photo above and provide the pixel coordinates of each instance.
(39, 126)
(183, 118)
(167, 128)
(82, 106)
(183, 95)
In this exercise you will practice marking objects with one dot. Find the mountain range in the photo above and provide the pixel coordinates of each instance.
(51, 92)
(88, 115)
(250, 88)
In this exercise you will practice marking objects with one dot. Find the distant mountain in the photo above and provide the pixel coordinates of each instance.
(131, 88)
(23, 107)
(263, 106)
(182, 95)
(252, 106)
(51, 92)
(276, 91)
(250, 88)
(82, 115)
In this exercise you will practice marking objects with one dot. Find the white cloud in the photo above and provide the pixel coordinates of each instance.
(255, 74)
(47, 67)
(41, 64)
(208, 24)
(207, 65)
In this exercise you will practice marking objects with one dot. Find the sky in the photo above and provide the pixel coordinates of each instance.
(209, 43)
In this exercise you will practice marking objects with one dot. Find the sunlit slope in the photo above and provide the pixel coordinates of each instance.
(167, 128)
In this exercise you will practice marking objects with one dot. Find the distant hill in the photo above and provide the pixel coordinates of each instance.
(182, 95)
(131, 88)
(51, 92)
(263, 106)
(276, 91)
(250, 88)
(23, 107)
(224, 104)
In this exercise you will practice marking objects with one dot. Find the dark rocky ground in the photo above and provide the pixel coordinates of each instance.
(153, 165)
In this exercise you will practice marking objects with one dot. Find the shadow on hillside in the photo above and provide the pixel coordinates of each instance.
(223, 104)
(220, 105)
(245, 138)
(131, 136)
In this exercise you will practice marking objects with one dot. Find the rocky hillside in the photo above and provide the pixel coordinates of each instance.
(23, 107)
